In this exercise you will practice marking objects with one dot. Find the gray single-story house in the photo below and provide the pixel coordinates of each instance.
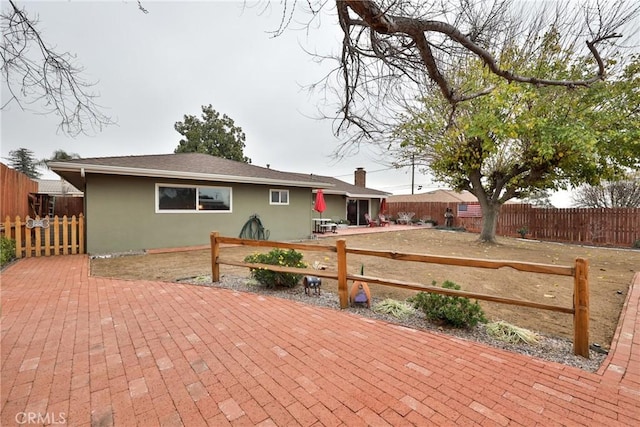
(135, 203)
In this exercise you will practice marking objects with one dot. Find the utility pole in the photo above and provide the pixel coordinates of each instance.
(413, 177)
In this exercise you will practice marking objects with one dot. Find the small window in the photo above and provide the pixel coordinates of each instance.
(279, 197)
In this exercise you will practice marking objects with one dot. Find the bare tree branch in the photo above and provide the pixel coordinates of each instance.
(610, 194)
(34, 73)
(142, 8)
(395, 50)
(382, 22)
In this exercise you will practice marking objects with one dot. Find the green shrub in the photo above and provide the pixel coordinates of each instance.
(7, 250)
(522, 231)
(636, 245)
(456, 311)
(395, 308)
(270, 278)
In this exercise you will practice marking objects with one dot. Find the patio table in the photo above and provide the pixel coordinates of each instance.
(319, 224)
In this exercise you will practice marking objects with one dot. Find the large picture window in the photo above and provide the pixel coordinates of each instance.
(183, 198)
(279, 197)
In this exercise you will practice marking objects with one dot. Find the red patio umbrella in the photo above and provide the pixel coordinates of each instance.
(320, 204)
(383, 206)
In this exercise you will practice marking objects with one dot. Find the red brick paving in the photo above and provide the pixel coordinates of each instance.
(83, 351)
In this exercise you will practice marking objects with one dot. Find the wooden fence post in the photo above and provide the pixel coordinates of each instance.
(47, 240)
(56, 235)
(27, 238)
(215, 252)
(343, 289)
(65, 235)
(38, 237)
(74, 235)
(18, 231)
(581, 307)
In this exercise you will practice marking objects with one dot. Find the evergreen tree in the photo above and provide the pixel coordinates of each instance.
(213, 135)
(23, 160)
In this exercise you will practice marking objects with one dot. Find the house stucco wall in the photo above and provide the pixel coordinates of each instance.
(121, 215)
(336, 207)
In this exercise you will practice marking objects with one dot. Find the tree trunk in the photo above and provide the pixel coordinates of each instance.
(490, 214)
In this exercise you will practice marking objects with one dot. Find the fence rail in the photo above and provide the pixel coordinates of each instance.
(579, 272)
(612, 226)
(45, 236)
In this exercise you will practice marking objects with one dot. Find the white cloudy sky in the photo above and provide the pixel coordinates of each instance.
(154, 68)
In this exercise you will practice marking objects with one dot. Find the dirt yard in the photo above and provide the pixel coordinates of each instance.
(610, 273)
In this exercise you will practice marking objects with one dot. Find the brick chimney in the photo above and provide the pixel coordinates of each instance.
(360, 178)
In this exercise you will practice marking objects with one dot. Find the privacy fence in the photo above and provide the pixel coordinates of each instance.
(16, 187)
(579, 272)
(45, 236)
(605, 227)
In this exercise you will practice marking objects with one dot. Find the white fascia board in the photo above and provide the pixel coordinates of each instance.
(355, 195)
(334, 192)
(159, 173)
(366, 196)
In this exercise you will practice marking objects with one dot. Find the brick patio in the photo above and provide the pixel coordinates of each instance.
(81, 351)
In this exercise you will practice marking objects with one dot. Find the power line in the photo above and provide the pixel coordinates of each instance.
(419, 186)
(368, 172)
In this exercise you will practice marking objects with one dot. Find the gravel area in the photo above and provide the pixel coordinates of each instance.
(548, 348)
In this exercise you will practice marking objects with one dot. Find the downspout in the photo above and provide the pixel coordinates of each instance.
(84, 208)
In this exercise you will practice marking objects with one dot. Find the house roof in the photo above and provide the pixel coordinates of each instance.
(57, 187)
(349, 190)
(445, 196)
(189, 166)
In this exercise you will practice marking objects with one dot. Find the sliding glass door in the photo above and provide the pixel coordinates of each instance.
(356, 208)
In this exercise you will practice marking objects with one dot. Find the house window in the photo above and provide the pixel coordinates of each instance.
(279, 197)
(183, 198)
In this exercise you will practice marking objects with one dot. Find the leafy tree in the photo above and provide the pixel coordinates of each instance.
(519, 140)
(59, 155)
(213, 135)
(624, 193)
(23, 160)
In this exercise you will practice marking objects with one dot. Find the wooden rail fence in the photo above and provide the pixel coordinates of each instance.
(44, 236)
(579, 272)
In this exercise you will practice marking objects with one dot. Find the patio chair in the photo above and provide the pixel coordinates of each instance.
(405, 217)
(382, 220)
(370, 222)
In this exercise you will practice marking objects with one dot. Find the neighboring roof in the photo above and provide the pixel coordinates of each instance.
(349, 190)
(57, 187)
(189, 166)
(444, 196)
